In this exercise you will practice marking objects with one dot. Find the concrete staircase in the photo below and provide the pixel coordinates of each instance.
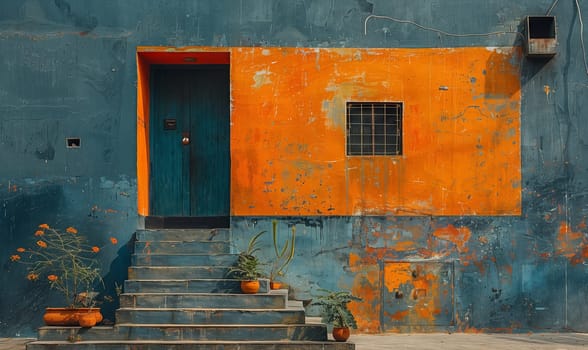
(178, 297)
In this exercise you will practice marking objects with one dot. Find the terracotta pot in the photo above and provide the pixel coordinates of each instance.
(63, 316)
(276, 285)
(87, 320)
(250, 287)
(341, 333)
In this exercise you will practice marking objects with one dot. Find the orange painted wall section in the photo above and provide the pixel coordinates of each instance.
(142, 136)
(461, 132)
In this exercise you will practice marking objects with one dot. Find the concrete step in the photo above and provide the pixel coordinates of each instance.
(177, 247)
(203, 300)
(173, 272)
(166, 332)
(209, 316)
(183, 259)
(183, 235)
(189, 286)
(188, 345)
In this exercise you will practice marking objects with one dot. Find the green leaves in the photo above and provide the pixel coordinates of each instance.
(335, 310)
(248, 266)
(283, 256)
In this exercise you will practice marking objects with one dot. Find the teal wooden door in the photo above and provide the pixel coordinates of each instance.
(189, 141)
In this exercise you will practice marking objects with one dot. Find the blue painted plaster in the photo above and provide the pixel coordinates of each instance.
(67, 69)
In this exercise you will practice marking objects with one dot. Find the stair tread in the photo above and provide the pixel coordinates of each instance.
(186, 254)
(185, 279)
(180, 325)
(178, 267)
(185, 342)
(287, 308)
(219, 325)
(220, 295)
(184, 241)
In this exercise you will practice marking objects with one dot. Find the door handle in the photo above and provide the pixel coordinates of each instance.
(185, 139)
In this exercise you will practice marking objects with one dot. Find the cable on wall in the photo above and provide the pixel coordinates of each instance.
(582, 35)
(438, 31)
(551, 8)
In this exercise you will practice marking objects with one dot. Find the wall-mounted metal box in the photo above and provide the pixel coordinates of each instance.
(540, 36)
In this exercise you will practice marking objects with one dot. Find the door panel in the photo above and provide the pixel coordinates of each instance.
(190, 179)
(210, 153)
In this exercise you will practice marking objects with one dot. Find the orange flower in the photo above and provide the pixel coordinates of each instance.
(95, 249)
(20, 250)
(39, 233)
(52, 278)
(15, 257)
(43, 226)
(71, 230)
(42, 244)
(32, 276)
(113, 240)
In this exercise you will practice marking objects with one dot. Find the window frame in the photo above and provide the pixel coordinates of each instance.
(357, 148)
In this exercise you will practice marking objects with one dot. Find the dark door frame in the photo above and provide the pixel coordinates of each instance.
(147, 56)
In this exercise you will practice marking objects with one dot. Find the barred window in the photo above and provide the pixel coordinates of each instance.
(374, 128)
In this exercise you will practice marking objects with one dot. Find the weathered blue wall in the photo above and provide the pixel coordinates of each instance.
(67, 69)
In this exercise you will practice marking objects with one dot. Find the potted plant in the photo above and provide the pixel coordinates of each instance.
(283, 256)
(248, 267)
(336, 312)
(68, 263)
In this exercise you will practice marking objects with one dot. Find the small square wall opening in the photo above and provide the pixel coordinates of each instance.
(541, 36)
(541, 27)
(73, 142)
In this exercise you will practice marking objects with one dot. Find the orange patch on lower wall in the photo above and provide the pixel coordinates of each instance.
(399, 315)
(457, 235)
(396, 275)
(366, 285)
(569, 243)
(425, 312)
(580, 257)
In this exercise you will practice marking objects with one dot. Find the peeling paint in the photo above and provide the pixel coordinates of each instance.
(261, 78)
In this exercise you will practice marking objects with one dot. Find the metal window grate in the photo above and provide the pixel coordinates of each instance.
(374, 128)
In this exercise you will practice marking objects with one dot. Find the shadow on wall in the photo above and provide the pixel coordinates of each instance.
(25, 206)
(114, 281)
(496, 87)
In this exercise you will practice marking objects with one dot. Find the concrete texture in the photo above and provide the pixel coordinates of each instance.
(435, 341)
(69, 70)
(459, 341)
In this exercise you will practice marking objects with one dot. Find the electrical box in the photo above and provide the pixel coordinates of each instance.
(540, 36)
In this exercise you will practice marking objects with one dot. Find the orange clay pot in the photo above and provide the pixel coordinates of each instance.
(341, 334)
(87, 320)
(62, 316)
(250, 287)
(276, 285)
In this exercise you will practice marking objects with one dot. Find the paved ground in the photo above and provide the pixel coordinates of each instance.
(460, 341)
(436, 341)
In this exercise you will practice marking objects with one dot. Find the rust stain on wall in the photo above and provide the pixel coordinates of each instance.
(396, 275)
(456, 235)
(367, 286)
(571, 244)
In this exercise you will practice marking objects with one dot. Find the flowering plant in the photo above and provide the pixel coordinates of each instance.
(66, 260)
